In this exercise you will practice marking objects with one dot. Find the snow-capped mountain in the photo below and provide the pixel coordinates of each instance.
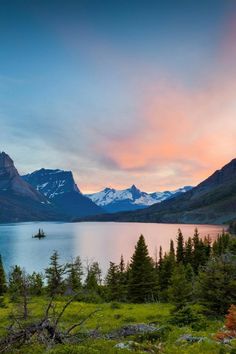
(113, 200)
(52, 182)
(60, 188)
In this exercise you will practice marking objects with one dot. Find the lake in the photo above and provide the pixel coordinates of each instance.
(92, 241)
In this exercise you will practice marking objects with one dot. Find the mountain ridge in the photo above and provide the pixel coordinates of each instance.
(132, 198)
(213, 201)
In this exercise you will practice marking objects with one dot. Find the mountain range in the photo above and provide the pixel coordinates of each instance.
(213, 201)
(113, 200)
(49, 195)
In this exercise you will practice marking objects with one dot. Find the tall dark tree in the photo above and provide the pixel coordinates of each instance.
(54, 275)
(123, 280)
(74, 275)
(3, 282)
(216, 284)
(112, 282)
(180, 289)
(188, 253)
(142, 276)
(172, 250)
(180, 248)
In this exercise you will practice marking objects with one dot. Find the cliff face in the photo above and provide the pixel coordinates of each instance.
(11, 182)
(19, 201)
(59, 188)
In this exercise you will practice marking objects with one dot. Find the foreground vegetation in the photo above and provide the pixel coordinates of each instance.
(174, 304)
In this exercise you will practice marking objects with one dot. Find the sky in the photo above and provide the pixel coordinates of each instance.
(120, 92)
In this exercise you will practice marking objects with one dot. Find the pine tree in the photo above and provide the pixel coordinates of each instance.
(180, 289)
(160, 258)
(19, 288)
(74, 275)
(172, 250)
(54, 275)
(93, 279)
(112, 282)
(198, 253)
(123, 280)
(216, 284)
(15, 282)
(3, 282)
(142, 276)
(36, 283)
(180, 248)
(188, 251)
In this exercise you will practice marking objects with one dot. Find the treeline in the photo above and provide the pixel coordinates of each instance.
(197, 271)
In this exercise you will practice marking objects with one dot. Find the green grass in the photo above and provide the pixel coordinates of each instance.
(113, 316)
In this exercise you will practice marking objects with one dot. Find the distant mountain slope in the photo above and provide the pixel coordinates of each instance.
(60, 188)
(19, 201)
(212, 201)
(113, 200)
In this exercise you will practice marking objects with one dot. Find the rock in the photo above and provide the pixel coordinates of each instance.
(130, 330)
(191, 339)
(124, 345)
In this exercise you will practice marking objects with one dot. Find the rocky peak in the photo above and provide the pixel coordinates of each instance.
(7, 168)
(51, 182)
(11, 182)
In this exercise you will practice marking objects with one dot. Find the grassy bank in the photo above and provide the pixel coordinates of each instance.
(113, 316)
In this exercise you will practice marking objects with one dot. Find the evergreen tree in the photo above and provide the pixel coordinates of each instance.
(15, 282)
(142, 276)
(198, 257)
(216, 284)
(93, 279)
(188, 251)
(3, 282)
(165, 273)
(123, 280)
(36, 283)
(207, 245)
(74, 275)
(19, 288)
(180, 289)
(172, 250)
(180, 248)
(54, 275)
(160, 258)
(112, 282)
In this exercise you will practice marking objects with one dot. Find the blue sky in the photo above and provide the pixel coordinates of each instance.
(120, 92)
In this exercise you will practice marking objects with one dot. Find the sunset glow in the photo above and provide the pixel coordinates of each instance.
(117, 96)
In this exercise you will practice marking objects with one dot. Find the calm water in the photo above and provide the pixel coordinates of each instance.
(102, 242)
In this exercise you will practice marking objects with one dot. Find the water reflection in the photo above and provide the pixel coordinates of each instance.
(102, 242)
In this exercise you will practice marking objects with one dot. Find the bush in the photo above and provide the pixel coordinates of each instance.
(160, 334)
(115, 305)
(189, 316)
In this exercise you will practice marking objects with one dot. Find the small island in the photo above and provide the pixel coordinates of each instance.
(40, 234)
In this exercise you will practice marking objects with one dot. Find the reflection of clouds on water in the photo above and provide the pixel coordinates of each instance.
(102, 242)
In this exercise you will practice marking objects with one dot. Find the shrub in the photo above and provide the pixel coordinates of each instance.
(189, 316)
(115, 305)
